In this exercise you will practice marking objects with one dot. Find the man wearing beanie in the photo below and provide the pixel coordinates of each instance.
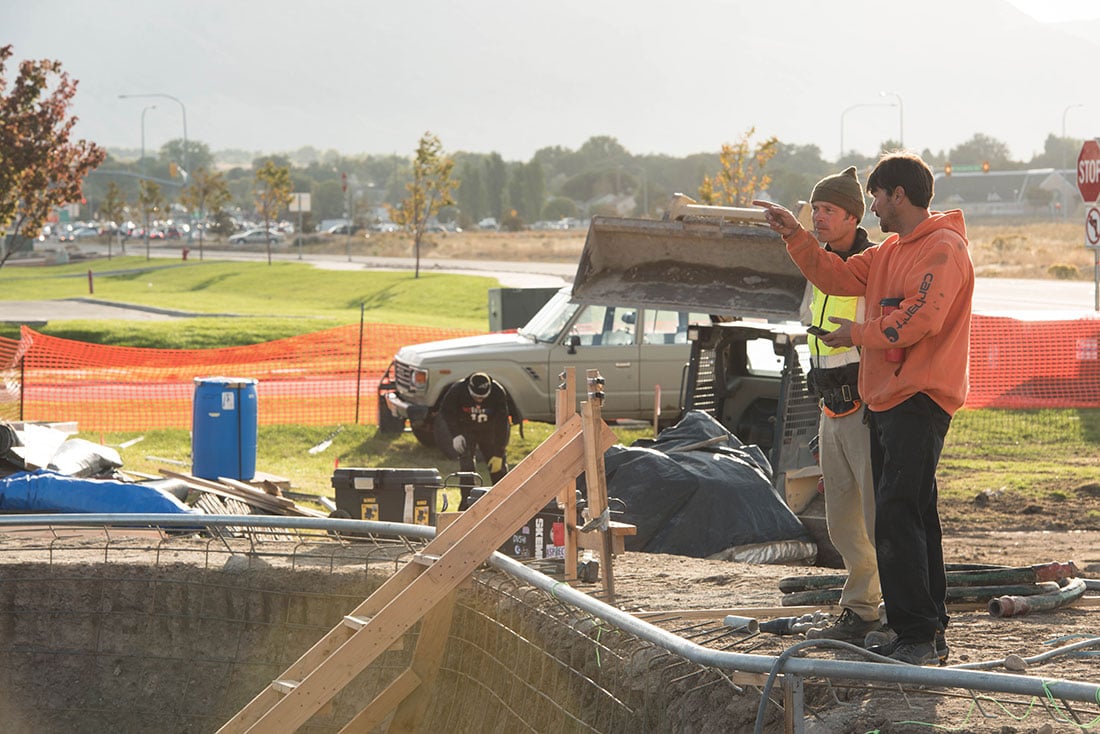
(915, 343)
(844, 443)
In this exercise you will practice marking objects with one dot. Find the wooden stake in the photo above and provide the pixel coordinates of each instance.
(595, 477)
(567, 500)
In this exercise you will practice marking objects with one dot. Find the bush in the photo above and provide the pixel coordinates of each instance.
(1063, 271)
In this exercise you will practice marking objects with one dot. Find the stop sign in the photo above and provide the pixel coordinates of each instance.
(1088, 171)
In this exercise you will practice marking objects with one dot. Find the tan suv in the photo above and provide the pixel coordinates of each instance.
(635, 348)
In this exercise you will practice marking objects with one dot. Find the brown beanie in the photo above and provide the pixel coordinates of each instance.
(842, 189)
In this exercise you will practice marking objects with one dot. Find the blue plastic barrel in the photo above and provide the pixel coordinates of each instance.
(223, 428)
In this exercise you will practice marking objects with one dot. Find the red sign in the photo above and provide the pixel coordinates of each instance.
(1088, 171)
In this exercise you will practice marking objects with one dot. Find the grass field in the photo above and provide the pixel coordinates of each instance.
(1050, 461)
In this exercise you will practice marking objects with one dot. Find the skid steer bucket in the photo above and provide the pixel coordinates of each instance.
(700, 263)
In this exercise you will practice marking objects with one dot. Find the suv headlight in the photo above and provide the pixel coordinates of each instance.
(418, 380)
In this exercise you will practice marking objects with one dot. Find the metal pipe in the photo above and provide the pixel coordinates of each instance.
(803, 666)
(1016, 606)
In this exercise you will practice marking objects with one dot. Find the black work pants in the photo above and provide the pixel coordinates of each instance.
(906, 442)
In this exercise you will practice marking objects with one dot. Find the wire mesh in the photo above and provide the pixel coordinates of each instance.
(104, 629)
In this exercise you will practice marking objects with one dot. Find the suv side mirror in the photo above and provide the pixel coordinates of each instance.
(573, 342)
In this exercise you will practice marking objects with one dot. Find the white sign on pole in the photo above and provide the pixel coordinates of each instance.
(299, 203)
(1092, 227)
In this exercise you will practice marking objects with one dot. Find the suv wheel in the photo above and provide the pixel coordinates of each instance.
(387, 421)
(425, 432)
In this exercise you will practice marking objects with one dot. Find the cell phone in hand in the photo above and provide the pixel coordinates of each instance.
(816, 330)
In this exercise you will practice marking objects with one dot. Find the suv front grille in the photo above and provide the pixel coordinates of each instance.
(402, 375)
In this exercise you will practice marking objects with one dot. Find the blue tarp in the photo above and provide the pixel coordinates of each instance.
(44, 491)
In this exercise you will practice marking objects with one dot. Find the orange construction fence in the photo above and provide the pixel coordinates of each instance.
(331, 377)
(325, 378)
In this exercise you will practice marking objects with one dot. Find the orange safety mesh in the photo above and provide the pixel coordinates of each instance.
(323, 378)
(319, 379)
(1034, 364)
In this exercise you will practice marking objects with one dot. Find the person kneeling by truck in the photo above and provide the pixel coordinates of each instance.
(477, 413)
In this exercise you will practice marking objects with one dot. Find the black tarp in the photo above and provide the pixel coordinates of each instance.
(697, 501)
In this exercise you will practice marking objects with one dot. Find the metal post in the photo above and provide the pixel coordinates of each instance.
(144, 208)
(1064, 112)
(855, 107)
(901, 116)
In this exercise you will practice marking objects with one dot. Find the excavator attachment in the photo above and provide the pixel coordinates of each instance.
(718, 260)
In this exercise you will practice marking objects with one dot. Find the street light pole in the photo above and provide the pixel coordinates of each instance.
(144, 182)
(901, 116)
(184, 162)
(855, 107)
(1064, 113)
(183, 112)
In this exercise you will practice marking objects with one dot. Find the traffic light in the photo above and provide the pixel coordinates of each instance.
(985, 166)
(946, 169)
(173, 169)
(344, 182)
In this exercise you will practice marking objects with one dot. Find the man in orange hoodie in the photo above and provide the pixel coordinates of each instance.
(915, 345)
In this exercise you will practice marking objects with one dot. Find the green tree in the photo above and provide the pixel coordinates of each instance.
(113, 209)
(151, 201)
(534, 189)
(272, 191)
(496, 181)
(207, 193)
(741, 175)
(192, 157)
(980, 149)
(602, 149)
(40, 168)
(559, 207)
(429, 191)
(471, 193)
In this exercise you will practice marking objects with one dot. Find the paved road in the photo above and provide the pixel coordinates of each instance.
(1017, 298)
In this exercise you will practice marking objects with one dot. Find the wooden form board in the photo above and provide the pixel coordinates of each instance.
(416, 591)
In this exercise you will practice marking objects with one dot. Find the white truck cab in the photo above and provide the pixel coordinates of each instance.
(637, 350)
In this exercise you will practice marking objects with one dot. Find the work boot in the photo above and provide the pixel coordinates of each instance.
(915, 653)
(885, 641)
(848, 627)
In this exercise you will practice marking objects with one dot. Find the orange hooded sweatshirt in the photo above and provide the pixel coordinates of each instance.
(931, 271)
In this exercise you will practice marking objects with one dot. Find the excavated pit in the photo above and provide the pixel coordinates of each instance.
(101, 637)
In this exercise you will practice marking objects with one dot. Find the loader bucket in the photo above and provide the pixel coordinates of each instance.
(704, 265)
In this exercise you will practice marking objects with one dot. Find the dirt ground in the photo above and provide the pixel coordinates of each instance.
(650, 583)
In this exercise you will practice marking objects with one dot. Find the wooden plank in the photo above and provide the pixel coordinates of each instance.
(377, 710)
(430, 645)
(248, 490)
(414, 590)
(256, 499)
(263, 478)
(618, 530)
(220, 490)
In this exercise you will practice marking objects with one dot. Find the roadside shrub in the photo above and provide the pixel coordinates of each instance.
(1063, 271)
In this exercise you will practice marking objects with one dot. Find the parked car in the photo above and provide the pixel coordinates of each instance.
(79, 233)
(255, 235)
(634, 347)
(343, 229)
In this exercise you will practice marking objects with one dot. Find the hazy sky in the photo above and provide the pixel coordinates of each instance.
(365, 76)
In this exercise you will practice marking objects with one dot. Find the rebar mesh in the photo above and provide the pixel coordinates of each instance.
(113, 630)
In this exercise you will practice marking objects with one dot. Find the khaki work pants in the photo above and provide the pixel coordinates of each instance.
(844, 445)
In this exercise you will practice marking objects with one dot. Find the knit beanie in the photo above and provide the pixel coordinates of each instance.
(842, 189)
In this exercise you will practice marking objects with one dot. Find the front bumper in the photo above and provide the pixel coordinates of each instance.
(403, 409)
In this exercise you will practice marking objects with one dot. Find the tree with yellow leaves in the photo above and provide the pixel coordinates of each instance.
(430, 190)
(742, 175)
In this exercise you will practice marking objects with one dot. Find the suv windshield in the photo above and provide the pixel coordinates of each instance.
(546, 325)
